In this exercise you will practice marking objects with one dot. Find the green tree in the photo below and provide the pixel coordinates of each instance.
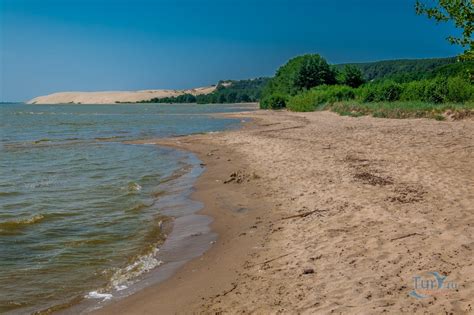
(352, 76)
(222, 98)
(244, 98)
(461, 13)
(273, 101)
(313, 71)
(298, 74)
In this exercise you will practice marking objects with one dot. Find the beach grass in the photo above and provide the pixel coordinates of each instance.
(400, 109)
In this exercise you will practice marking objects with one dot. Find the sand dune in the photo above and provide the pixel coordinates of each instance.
(112, 97)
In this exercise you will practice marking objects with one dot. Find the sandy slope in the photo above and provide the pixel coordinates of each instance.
(112, 97)
(362, 204)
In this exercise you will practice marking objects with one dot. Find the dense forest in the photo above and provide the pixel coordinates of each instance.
(228, 91)
(406, 70)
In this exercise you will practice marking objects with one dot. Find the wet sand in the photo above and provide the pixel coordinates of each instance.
(318, 213)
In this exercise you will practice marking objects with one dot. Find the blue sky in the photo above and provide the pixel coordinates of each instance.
(70, 45)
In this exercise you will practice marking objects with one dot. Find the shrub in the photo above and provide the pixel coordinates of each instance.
(403, 109)
(388, 91)
(351, 76)
(273, 101)
(459, 90)
(436, 91)
(326, 94)
(338, 93)
(303, 102)
(413, 91)
(367, 93)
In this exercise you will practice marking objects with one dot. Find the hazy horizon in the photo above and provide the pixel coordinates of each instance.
(52, 46)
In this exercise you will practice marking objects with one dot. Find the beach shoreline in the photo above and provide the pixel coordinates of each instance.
(101, 205)
(317, 213)
(223, 206)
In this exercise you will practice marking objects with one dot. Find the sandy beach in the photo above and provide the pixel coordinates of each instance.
(161, 157)
(320, 213)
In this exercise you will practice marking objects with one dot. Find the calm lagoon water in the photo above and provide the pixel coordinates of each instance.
(80, 211)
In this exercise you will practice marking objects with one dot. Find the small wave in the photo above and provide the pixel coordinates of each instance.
(47, 182)
(41, 143)
(85, 242)
(57, 140)
(108, 138)
(20, 223)
(138, 207)
(134, 186)
(97, 295)
(9, 193)
(185, 169)
(149, 177)
(29, 113)
(124, 276)
(158, 194)
(156, 234)
(41, 140)
(77, 124)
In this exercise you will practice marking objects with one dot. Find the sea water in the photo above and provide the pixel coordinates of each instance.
(80, 210)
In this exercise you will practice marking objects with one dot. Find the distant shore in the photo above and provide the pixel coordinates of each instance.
(317, 212)
(113, 97)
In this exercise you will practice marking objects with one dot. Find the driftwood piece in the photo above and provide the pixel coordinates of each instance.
(404, 236)
(270, 260)
(304, 214)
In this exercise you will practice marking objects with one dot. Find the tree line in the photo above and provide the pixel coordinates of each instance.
(228, 91)
(308, 81)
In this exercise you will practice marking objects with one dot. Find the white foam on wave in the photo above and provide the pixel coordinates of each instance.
(121, 287)
(128, 275)
(97, 295)
(134, 186)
